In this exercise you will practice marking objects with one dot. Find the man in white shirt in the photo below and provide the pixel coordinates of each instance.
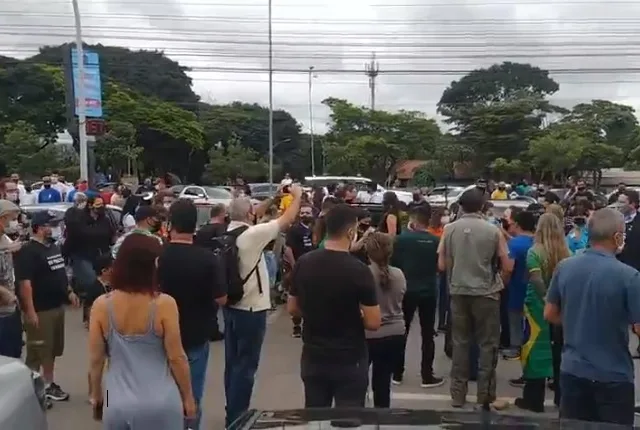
(246, 320)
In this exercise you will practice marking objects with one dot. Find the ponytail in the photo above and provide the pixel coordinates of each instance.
(379, 247)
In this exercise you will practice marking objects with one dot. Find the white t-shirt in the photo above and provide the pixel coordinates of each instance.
(28, 199)
(251, 244)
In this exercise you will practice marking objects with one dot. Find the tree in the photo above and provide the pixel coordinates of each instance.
(498, 110)
(118, 149)
(231, 158)
(379, 138)
(149, 73)
(508, 169)
(25, 152)
(33, 94)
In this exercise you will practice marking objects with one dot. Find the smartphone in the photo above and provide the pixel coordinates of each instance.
(98, 409)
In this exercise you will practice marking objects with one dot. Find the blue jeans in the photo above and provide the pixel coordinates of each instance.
(244, 335)
(83, 273)
(198, 359)
(11, 335)
(272, 267)
(587, 400)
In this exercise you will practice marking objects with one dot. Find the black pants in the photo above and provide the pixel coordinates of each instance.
(557, 340)
(327, 382)
(384, 353)
(426, 307)
(533, 394)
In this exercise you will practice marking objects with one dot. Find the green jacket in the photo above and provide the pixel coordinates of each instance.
(416, 254)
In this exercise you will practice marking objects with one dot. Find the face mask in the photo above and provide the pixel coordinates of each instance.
(445, 219)
(306, 220)
(581, 188)
(56, 233)
(82, 205)
(47, 186)
(99, 210)
(417, 197)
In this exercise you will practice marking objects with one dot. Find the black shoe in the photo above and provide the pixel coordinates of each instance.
(297, 332)
(432, 382)
(55, 393)
(637, 410)
(396, 380)
(551, 385)
(216, 337)
(516, 382)
(523, 404)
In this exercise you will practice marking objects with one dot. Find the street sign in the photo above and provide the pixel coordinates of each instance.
(95, 127)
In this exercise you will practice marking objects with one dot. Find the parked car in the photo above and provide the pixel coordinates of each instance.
(441, 196)
(262, 191)
(360, 182)
(22, 398)
(205, 194)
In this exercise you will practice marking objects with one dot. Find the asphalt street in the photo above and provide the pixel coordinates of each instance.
(278, 384)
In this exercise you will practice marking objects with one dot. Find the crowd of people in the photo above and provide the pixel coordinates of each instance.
(554, 285)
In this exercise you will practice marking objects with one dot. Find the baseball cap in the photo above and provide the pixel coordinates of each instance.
(7, 206)
(45, 218)
(145, 212)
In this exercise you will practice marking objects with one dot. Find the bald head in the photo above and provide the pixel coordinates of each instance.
(605, 225)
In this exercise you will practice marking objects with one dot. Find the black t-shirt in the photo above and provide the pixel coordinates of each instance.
(43, 265)
(299, 240)
(383, 223)
(330, 287)
(207, 232)
(189, 274)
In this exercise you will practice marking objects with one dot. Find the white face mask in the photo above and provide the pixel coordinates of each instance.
(445, 219)
(167, 205)
(12, 227)
(56, 233)
(82, 205)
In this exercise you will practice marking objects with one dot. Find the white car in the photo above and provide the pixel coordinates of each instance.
(441, 196)
(206, 195)
(360, 182)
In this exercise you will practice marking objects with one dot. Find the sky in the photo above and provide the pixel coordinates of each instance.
(420, 45)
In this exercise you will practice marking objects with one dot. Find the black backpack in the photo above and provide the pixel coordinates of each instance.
(226, 251)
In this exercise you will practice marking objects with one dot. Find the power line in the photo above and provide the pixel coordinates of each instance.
(350, 22)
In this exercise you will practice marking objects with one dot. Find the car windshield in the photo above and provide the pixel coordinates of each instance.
(218, 193)
(441, 191)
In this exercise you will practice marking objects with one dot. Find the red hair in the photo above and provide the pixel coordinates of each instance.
(134, 269)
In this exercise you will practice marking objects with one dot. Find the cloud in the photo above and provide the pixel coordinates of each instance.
(338, 35)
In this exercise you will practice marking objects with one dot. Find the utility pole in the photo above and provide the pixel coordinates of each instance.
(371, 69)
(271, 190)
(311, 137)
(81, 107)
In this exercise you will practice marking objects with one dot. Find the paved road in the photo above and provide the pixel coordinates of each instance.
(278, 385)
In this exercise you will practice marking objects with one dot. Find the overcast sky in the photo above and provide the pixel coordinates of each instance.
(338, 36)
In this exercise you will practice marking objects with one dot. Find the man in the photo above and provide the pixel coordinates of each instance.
(12, 192)
(415, 252)
(148, 222)
(500, 193)
(521, 227)
(595, 298)
(10, 319)
(298, 243)
(216, 227)
(44, 290)
(473, 252)
(580, 193)
(613, 198)
(417, 199)
(335, 295)
(190, 275)
(48, 194)
(245, 321)
(15, 178)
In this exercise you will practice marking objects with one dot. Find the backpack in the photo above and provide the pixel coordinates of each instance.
(228, 260)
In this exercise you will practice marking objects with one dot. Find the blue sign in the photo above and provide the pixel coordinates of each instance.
(92, 85)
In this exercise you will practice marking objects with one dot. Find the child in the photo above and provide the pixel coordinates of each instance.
(102, 266)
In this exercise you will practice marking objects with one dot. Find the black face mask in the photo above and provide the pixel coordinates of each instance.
(579, 220)
(306, 220)
(47, 186)
(581, 188)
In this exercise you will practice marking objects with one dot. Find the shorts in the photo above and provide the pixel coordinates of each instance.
(46, 342)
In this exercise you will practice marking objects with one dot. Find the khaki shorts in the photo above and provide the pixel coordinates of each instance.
(46, 342)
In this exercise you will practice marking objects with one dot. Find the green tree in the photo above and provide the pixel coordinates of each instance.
(117, 148)
(498, 110)
(231, 158)
(508, 169)
(25, 152)
(32, 93)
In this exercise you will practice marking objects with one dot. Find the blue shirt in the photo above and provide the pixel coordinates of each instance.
(49, 195)
(599, 298)
(576, 242)
(517, 288)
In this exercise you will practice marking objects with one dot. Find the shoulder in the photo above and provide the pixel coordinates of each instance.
(396, 273)
(271, 228)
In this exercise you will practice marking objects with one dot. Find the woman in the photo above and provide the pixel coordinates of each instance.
(536, 357)
(386, 343)
(390, 222)
(578, 237)
(147, 381)
(440, 218)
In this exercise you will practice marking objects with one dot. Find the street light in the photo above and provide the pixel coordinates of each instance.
(81, 108)
(270, 100)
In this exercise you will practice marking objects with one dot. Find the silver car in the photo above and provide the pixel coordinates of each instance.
(22, 399)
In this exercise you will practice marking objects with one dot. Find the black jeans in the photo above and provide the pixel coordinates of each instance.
(557, 340)
(587, 400)
(505, 331)
(327, 381)
(426, 307)
(384, 353)
(443, 302)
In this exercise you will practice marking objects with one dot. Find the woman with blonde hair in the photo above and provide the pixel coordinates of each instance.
(549, 249)
(387, 343)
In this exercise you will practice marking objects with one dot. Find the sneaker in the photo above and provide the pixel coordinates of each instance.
(396, 380)
(517, 382)
(511, 355)
(432, 382)
(297, 332)
(54, 392)
(637, 410)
